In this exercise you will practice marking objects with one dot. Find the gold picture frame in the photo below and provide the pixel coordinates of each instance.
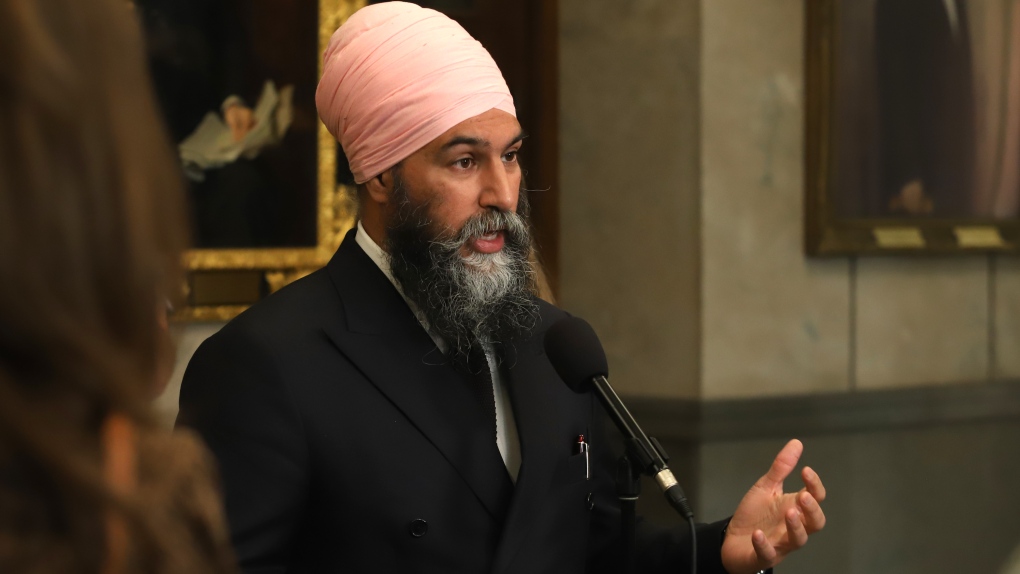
(853, 206)
(221, 283)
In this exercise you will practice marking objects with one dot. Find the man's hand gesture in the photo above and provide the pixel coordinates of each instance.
(769, 524)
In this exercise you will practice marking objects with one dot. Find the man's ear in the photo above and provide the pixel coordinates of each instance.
(380, 187)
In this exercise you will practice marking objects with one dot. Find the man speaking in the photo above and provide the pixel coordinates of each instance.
(395, 411)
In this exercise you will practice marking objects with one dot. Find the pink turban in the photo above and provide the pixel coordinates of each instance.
(397, 76)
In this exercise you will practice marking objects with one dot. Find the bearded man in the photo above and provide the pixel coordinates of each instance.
(395, 411)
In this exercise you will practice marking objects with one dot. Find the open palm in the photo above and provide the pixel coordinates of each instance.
(768, 523)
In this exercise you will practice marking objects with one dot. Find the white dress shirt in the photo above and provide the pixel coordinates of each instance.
(506, 428)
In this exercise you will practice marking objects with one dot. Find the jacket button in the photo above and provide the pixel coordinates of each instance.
(418, 528)
(591, 502)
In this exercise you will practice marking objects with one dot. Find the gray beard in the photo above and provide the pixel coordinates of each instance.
(467, 301)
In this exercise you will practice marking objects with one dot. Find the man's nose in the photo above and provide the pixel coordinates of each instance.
(500, 188)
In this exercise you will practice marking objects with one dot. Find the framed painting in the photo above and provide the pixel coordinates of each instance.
(913, 126)
(236, 82)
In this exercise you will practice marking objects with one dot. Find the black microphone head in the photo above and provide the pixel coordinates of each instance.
(575, 352)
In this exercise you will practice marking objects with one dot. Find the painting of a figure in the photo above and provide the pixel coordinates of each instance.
(236, 82)
(926, 122)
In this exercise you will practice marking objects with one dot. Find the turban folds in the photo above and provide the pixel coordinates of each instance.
(397, 76)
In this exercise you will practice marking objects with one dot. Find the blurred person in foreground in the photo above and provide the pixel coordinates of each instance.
(90, 235)
(395, 411)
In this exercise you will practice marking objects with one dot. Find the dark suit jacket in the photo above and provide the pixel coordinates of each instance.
(347, 443)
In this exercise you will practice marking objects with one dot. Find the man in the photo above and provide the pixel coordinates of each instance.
(395, 411)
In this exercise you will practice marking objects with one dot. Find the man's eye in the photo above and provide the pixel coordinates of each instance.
(510, 156)
(464, 163)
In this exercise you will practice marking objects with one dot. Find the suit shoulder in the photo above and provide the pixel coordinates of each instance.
(296, 310)
(269, 346)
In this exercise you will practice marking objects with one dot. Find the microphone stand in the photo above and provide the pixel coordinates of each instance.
(628, 488)
(643, 455)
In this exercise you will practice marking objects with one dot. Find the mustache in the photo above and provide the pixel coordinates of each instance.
(491, 221)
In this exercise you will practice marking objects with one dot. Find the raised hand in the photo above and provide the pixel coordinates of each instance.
(768, 523)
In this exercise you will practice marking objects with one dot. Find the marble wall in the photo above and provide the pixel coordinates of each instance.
(1006, 317)
(629, 200)
(922, 321)
(773, 321)
(763, 319)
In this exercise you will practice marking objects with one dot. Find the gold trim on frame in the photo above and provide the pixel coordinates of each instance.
(336, 210)
(208, 314)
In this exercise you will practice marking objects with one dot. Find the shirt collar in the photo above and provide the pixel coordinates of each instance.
(376, 254)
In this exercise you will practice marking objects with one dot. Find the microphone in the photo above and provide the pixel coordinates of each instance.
(577, 356)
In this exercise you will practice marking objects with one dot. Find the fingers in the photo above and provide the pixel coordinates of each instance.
(765, 552)
(813, 483)
(783, 465)
(795, 530)
(796, 537)
(813, 516)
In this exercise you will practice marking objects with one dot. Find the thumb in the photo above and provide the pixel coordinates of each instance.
(782, 466)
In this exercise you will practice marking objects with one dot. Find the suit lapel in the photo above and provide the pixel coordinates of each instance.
(384, 340)
(528, 377)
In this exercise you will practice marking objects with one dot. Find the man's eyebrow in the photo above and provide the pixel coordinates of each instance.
(478, 142)
(465, 140)
(520, 137)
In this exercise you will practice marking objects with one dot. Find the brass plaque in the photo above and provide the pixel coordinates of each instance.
(981, 237)
(899, 237)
